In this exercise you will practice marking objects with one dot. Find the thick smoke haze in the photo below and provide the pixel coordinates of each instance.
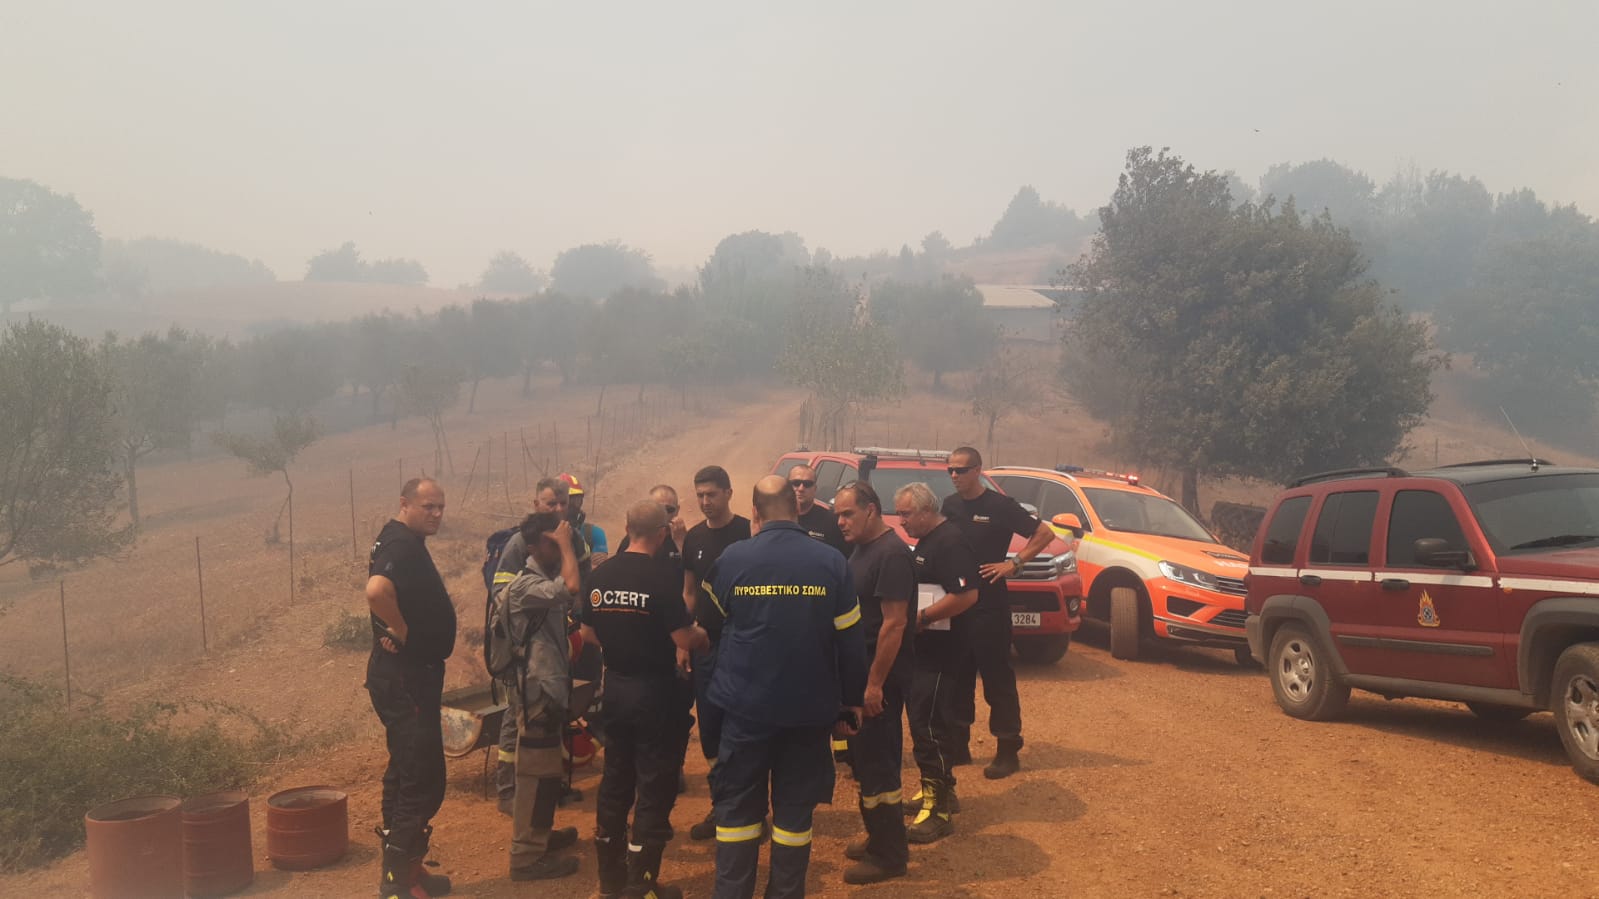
(444, 133)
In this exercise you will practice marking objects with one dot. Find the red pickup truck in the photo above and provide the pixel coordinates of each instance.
(1045, 598)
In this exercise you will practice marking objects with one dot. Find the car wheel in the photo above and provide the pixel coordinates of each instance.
(1245, 659)
(1574, 698)
(1124, 623)
(1043, 650)
(1500, 714)
(1302, 678)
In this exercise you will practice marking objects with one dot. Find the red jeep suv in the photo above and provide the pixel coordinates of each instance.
(1045, 598)
(1477, 583)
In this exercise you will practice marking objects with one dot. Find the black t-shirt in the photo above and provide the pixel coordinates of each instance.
(401, 555)
(945, 558)
(989, 522)
(668, 553)
(883, 569)
(634, 603)
(822, 524)
(701, 548)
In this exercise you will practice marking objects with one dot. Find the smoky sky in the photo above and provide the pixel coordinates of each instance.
(446, 132)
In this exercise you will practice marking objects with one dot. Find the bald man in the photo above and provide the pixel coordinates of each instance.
(413, 632)
(791, 669)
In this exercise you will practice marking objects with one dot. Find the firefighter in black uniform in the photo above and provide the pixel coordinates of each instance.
(816, 520)
(989, 519)
(413, 632)
(635, 611)
(946, 572)
(885, 584)
(702, 546)
(791, 669)
(665, 495)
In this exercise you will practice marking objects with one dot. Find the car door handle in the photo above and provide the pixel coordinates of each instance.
(1310, 580)
(1395, 584)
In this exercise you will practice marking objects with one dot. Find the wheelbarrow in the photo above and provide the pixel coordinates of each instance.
(471, 718)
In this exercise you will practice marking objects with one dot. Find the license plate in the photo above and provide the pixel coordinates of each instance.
(1026, 619)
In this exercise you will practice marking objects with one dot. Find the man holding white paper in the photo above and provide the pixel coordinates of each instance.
(946, 573)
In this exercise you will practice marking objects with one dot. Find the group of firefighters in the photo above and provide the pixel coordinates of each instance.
(790, 637)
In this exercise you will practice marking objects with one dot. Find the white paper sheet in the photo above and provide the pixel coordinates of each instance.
(926, 595)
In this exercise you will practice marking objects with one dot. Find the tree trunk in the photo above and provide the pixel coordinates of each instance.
(1191, 490)
(993, 419)
(377, 402)
(938, 379)
(527, 380)
(471, 403)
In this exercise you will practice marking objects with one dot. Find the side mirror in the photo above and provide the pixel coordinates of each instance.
(1435, 552)
(1068, 521)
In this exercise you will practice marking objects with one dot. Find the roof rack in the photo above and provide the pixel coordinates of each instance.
(1534, 462)
(919, 454)
(1342, 473)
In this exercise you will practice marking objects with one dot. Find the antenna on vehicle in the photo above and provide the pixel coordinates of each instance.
(1524, 447)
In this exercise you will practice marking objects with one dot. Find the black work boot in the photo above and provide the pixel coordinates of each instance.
(704, 830)
(933, 822)
(1005, 761)
(548, 867)
(434, 884)
(396, 881)
(610, 855)
(643, 875)
(870, 870)
(913, 805)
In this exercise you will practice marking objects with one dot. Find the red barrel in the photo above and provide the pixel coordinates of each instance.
(217, 856)
(136, 848)
(307, 827)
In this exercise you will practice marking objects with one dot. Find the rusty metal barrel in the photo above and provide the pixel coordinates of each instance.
(135, 848)
(307, 827)
(217, 856)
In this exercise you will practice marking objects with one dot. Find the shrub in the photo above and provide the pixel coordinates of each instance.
(59, 763)
(350, 631)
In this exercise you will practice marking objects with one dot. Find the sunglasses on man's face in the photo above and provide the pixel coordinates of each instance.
(798, 483)
(960, 469)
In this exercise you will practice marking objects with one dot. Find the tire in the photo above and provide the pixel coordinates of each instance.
(1245, 659)
(1302, 678)
(1046, 649)
(1574, 698)
(1499, 714)
(1124, 615)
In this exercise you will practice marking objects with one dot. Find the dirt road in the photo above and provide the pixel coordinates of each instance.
(1175, 776)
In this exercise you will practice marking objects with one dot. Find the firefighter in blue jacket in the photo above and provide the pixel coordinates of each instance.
(790, 672)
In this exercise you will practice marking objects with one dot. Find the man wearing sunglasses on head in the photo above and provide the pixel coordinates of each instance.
(988, 519)
(818, 521)
(665, 495)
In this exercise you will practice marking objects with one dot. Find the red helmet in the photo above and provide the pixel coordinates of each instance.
(574, 487)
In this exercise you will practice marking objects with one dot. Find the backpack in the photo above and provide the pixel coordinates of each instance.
(516, 657)
(491, 559)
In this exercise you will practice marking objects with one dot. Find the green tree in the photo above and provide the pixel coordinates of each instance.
(1029, 221)
(595, 271)
(555, 324)
(837, 353)
(161, 266)
(158, 395)
(481, 341)
(58, 458)
(376, 342)
(1531, 322)
(289, 371)
(397, 271)
(938, 325)
(431, 389)
(1237, 341)
(508, 272)
(272, 454)
(48, 245)
(998, 390)
(1322, 185)
(342, 264)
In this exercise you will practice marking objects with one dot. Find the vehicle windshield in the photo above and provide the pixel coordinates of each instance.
(1537, 514)
(1141, 513)
(888, 480)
